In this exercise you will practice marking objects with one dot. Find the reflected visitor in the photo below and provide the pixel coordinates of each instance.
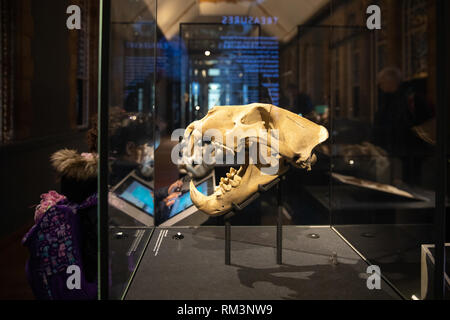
(131, 145)
(132, 148)
(400, 109)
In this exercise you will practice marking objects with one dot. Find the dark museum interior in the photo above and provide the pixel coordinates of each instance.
(359, 103)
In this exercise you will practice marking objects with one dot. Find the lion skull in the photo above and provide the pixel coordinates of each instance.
(285, 137)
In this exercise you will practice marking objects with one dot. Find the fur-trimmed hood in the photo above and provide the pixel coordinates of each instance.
(71, 164)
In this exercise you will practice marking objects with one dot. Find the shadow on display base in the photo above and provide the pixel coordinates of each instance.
(187, 263)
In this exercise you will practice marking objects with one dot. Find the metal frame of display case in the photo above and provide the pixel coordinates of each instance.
(239, 207)
(441, 162)
(103, 114)
(103, 138)
(442, 7)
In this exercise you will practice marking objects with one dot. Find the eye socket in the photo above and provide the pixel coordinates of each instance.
(251, 118)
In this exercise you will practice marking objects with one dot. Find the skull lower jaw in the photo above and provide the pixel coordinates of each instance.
(237, 187)
(241, 184)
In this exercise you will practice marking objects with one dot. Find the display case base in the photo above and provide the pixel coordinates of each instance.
(320, 267)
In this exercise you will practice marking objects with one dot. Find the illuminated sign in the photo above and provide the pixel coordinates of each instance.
(255, 67)
(213, 72)
(145, 45)
(249, 20)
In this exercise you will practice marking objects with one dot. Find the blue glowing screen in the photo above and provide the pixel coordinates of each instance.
(184, 201)
(140, 196)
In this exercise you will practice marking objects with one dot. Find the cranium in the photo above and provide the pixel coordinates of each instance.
(288, 136)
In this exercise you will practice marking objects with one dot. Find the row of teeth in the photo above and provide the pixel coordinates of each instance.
(233, 180)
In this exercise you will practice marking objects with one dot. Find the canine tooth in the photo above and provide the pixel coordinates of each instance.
(190, 145)
(232, 171)
(198, 198)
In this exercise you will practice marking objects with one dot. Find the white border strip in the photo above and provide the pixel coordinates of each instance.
(164, 232)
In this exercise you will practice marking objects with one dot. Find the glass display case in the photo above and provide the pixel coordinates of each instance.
(354, 218)
(129, 140)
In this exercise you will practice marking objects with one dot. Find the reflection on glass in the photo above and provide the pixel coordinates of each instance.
(132, 138)
(184, 201)
(382, 188)
(138, 195)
